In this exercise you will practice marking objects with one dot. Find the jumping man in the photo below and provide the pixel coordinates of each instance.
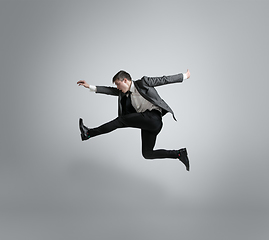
(139, 106)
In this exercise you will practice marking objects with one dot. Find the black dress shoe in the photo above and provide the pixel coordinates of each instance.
(183, 157)
(84, 130)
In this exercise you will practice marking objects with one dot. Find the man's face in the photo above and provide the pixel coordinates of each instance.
(123, 85)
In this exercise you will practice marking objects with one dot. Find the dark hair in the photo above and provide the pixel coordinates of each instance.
(121, 75)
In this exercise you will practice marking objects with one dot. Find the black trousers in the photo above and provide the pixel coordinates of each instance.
(150, 123)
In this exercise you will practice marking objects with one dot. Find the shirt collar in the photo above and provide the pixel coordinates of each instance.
(132, 87)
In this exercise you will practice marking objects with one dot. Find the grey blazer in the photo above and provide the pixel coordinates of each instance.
(145, 86)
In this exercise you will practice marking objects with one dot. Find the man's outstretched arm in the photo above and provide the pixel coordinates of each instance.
(158, 81)
(99, 89)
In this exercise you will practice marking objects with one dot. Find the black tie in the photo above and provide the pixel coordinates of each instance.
(127, 106)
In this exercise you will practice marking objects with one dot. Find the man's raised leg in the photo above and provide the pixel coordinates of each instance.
(145, 120)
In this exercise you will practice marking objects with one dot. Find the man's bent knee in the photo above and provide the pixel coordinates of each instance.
(147, 154)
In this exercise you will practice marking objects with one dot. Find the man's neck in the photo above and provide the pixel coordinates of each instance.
(130, 87)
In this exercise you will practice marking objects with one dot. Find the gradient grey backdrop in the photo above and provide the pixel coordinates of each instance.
(53, 186)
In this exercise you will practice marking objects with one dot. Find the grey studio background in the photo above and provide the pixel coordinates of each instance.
(53, 186)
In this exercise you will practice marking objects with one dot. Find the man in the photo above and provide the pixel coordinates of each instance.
(139, 106)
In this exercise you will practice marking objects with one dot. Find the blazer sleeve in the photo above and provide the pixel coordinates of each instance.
(158, 81)
(108, 90)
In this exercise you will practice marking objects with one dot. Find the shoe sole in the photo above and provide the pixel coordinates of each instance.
(185, 155)
(83, 137)
(80, 123)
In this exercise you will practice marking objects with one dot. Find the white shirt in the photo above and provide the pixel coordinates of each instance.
(139, 103)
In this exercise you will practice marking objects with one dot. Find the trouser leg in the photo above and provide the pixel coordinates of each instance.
(148, 143)
(147, 121)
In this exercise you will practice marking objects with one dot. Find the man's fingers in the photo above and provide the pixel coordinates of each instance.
(188, 73)
(80, 81)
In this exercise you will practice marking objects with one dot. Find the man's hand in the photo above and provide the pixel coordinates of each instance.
(83, 83)
(188, 74)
